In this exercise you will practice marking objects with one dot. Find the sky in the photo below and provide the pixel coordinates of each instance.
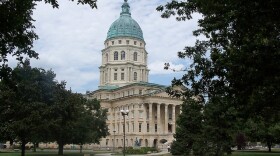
(71, 39)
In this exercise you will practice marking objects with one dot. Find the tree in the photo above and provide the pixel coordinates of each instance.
(259, 131)
(218, 127)
(91, 124)
(17, 30)
(243, 68)
(189, 127)
(75, 119)
(24, 101)
(64, 111)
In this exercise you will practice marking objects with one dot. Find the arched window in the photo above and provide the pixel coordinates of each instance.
(122, 55)
(135, 76)
(116, 55)
(135, 56)
(107, 58)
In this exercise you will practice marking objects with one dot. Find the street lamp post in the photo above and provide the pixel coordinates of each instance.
(114, 141)
(124, 113)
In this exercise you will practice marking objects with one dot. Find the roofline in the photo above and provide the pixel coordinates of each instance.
(141, 83)
(112, 38)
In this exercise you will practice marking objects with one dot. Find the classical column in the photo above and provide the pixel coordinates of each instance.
(130, 74)
(120, 123)
(144, 126)
(110, 76)
(173, 119)
(136, 118)
(166, 119)
(180, 109)
(158, 119)
(151, 123)
(126, 77)
(101, 78)
(130, 121)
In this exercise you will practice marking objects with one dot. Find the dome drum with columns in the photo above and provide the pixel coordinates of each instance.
(124, 59)
(124, 86)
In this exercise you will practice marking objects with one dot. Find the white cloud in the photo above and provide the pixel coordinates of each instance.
(156, 68)
(72, 37)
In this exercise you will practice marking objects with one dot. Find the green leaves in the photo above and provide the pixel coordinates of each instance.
(36, 108)
(17, 32)
(242, 72)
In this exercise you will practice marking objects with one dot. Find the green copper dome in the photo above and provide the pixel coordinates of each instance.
(125, 26)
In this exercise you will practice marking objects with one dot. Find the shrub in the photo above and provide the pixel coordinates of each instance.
(142, 150)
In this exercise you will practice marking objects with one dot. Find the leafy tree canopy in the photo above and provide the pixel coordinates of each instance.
(75, 119)
(17, 30)
(25, 97)
(238, 62)
(243, 42)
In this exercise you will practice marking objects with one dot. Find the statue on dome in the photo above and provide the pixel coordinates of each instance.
(125, 7)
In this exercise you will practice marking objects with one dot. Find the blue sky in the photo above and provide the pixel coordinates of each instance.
(71, 39)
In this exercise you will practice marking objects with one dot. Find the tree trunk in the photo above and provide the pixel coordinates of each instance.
(60, 148)
(34, 147)
(81, 148)
(269, 144)
(238, 147)
(23, 142)
(11, 144)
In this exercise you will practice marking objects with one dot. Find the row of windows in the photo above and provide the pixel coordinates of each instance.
(139, 129)
(116, 56)
(122, 76)
(120, 42)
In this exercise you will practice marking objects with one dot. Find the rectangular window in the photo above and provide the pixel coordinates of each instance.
(140, 127)
(140, 44)
(148, 127)
(120, 41)
(127, 41)
(112, 42)
(135, 42)
(155, 127)
(140, 92)
(140, 114)
(133, 127)
(127, 127)
(115, 76)
(132, 114)
(122, 76)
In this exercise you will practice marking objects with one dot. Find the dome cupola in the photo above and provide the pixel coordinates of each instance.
(125, 26)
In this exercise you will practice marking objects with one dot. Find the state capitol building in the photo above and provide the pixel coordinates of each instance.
(151, 112)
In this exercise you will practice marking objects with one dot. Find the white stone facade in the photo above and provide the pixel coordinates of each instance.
(151, 118)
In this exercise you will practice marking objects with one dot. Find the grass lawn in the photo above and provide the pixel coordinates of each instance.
(40, 154)
(76, 153)
(257, 153)
(44, 153)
